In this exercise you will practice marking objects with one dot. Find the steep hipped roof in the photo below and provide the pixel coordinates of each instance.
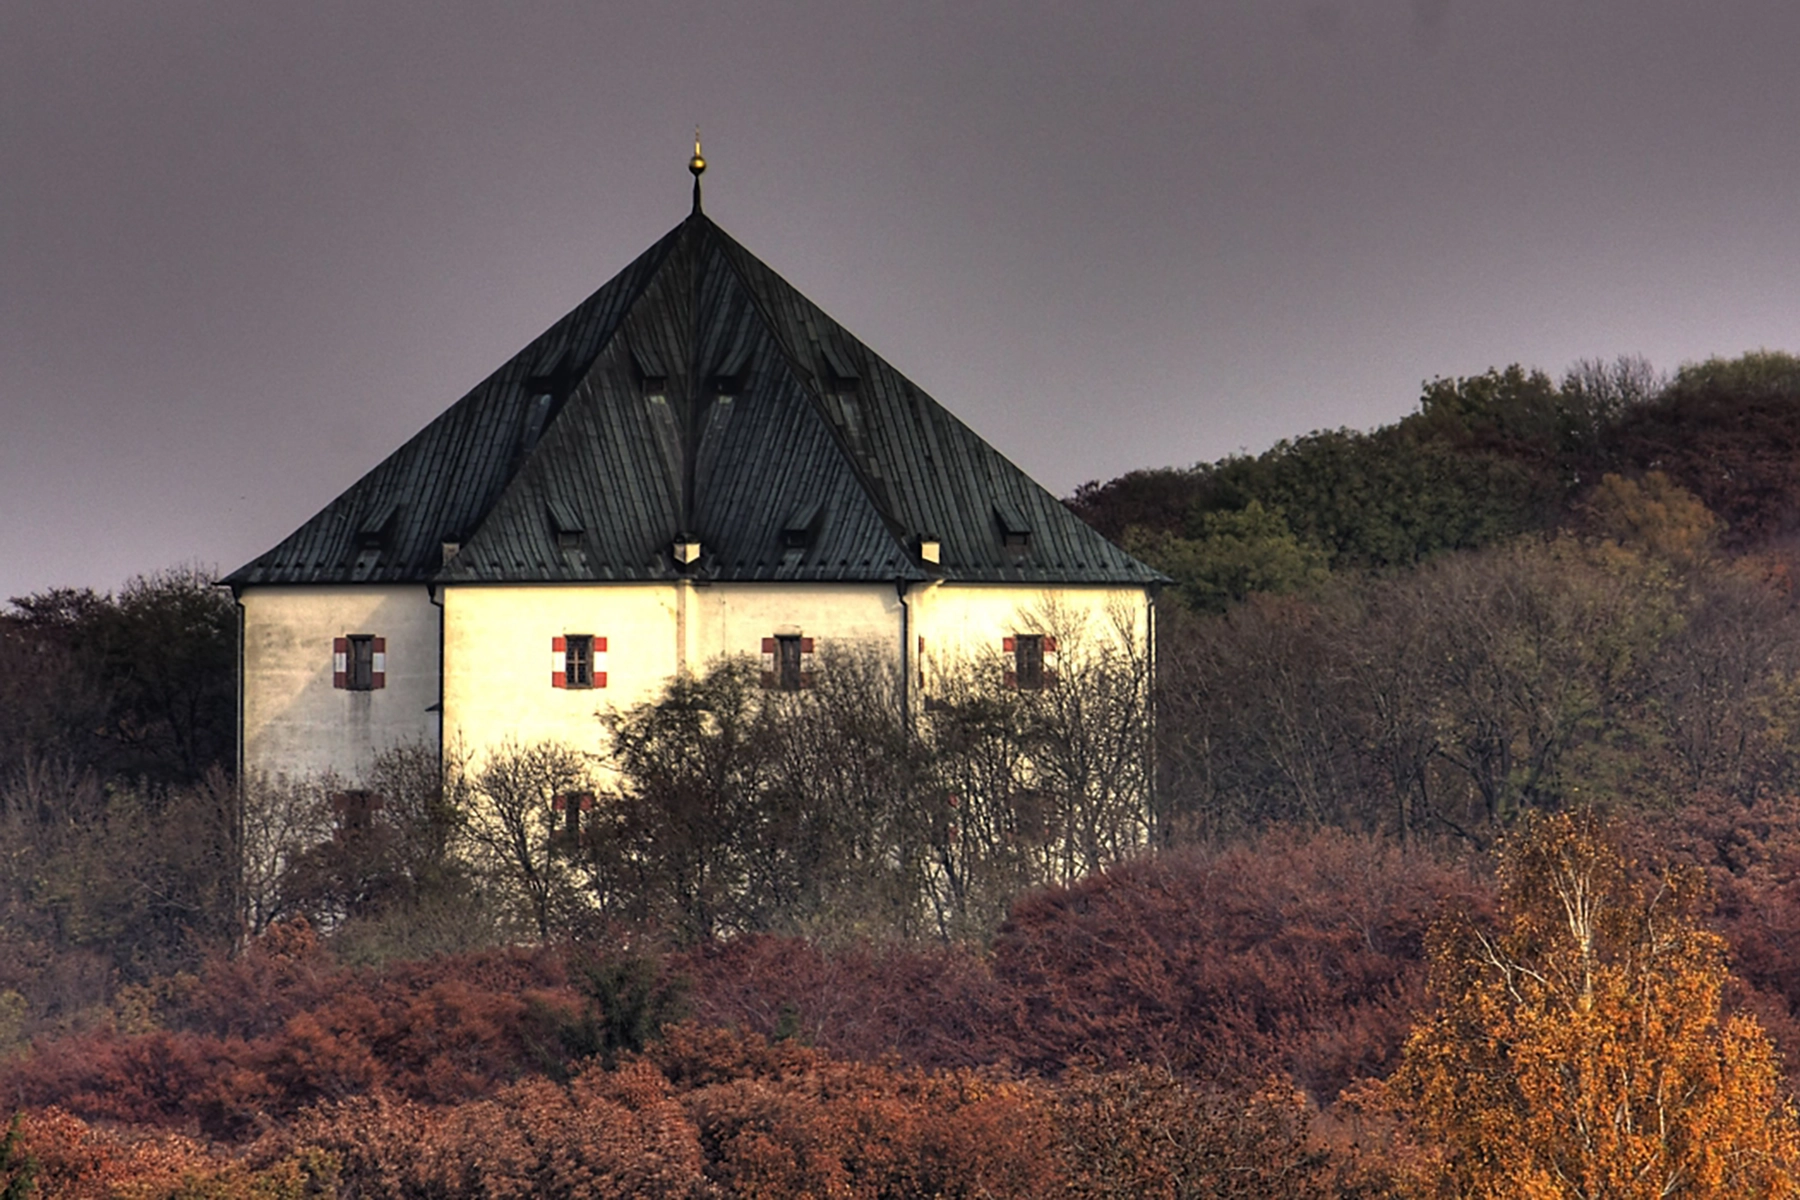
(697, 393)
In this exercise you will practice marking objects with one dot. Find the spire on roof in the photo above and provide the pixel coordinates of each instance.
(697, 164)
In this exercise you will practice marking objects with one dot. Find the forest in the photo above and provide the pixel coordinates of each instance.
(1466, 866)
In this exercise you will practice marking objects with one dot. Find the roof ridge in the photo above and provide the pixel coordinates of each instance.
(561, 406)
(808, 382)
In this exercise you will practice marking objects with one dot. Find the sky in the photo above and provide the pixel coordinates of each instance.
(248, 248)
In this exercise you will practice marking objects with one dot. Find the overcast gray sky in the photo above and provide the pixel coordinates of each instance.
(247, 248)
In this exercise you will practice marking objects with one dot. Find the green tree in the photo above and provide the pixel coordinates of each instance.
(151, 672)
(1234, 554)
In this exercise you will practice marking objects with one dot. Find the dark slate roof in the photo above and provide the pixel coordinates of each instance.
(696, 393)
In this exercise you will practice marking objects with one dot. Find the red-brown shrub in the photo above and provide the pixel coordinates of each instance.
(788, 1121)
(608, 1134)
(1299, 954)
(441, 1031)
(930, 1005)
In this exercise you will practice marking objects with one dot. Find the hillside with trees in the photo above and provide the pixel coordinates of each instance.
(1470, 869)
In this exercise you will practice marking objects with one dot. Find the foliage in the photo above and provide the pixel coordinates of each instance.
(627, 1001)
(1234, 554)
(1655, 516)
(740, 809)
(1480, 685)
(1582, 1050)
(784, 1120)
(104, 885)
(18, 1169)
(1297, 955)
(1142, 1131)
(1727, 430)
(737, 809)
(138, 684)
(254, 1039)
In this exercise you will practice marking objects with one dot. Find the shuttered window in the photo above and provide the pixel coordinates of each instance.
(572, 809)
(787, 662)
(1031, 661)
(359, 662)
(578, 660)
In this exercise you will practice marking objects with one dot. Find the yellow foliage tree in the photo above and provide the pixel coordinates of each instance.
(1581, 1052)
(1655, 515)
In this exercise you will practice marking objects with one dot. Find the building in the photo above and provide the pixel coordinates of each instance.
(695, 463)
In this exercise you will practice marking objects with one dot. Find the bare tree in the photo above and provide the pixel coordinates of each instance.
(513, 830)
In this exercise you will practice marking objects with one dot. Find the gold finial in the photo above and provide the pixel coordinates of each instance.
(696, 164)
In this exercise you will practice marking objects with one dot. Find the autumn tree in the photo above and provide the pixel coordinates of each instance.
(1581, 1051)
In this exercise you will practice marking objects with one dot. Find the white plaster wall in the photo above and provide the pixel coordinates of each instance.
(498, 658)
(498, 662)
(295, 723)
(964, 625)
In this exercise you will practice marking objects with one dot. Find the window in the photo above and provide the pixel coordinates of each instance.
(1028, 660)
(578, 660)
(355, 813)
(787, 662)
(362, 664)
(359, 662)
(1033, 664)
(571, 805)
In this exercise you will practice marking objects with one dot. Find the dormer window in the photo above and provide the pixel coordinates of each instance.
(686, 549)
(567, 526)
(1015, 534)
(372, 534)
(729, 376)
(840, 373)
(798, 530)
(931, 549)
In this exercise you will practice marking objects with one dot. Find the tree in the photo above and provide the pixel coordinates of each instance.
(1235, 554)
(519, 794)
(1654, 515)
(153, 671)
(1581, 1051)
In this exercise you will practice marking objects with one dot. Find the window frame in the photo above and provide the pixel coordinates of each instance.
(790, 672)
(1028, 662)
(578, 660)
(359, 662)
(787, 662)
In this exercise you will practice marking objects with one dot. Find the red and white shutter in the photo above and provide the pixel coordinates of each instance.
(340, 662)
(599, 664)
(378, 667)
(1010, 676)
(769, 677)
(559, 662)
(1051, 661)
(807, 663)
